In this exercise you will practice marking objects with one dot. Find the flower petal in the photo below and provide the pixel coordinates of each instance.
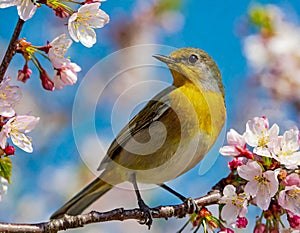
(249, 170)
(8, 3)
(25, 124)
(86, 35)
(21, 141)
(72, 27)
(26, 9)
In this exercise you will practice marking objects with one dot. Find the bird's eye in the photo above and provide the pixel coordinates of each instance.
(193, 58)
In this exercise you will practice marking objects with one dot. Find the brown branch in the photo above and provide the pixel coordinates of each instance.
(68, 222)
(11, 50)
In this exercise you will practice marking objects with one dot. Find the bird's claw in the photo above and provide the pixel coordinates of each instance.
(147, 214)
(191, 206)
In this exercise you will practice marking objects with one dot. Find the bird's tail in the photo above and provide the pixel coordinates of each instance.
(83, 199)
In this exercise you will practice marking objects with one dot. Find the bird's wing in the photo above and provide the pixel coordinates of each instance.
(153, 111)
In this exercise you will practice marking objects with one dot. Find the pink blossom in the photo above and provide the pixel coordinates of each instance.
(235, 204)
(259, 136)
(261, 185)
(289, 199)
(16, 128)
(285, 149)
(237, 145)
(9, 96)
(81, 24)
(57, 50)
(66, 75)
(292, 179)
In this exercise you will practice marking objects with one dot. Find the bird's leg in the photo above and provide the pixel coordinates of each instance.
(190, 203)
(145, 208)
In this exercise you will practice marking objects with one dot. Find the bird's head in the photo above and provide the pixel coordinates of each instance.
(194, 65)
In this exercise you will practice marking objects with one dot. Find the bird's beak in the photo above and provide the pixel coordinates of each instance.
(166, 59)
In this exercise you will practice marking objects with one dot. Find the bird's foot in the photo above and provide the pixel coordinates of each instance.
(191, 206)
(147, 214)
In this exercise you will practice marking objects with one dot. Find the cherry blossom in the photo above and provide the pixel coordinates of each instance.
(26, 8)
(292, 179)
(237, 145)
(58, 47)
(82, 22)
(259, 136)
(9, 96)
(289, 198)
(66, 75)
(285, 150)
(16, 128)
(261, 185)
(235, 204)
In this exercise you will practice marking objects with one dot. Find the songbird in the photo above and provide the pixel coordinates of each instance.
(168, 137)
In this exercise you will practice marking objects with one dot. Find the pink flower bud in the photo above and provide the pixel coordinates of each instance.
(242, 222)
(234, 164)
(260, 228)
(24, 74)
(9, 150)
(294, 221)
(61, 12)
(47, 83)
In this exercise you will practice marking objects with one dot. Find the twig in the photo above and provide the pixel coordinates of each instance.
(11, 50)
(68, 222)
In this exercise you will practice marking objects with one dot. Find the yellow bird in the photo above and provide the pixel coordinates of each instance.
(168, 137)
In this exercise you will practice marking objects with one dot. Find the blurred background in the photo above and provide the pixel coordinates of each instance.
(256, 45)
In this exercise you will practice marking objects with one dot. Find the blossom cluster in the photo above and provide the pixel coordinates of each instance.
(12, 126)
(65, 70)
(81, 22)
(265, 171)
(81, 25)
(274, 52)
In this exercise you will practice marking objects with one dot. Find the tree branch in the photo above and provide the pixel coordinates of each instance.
(69, 222)
(11, 50)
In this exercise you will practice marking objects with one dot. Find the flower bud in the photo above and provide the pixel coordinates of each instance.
(9, 150)
(47, 83)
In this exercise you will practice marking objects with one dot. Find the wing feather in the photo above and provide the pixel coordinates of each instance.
(153, 111)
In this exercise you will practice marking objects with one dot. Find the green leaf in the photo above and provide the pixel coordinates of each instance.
(5, 168)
